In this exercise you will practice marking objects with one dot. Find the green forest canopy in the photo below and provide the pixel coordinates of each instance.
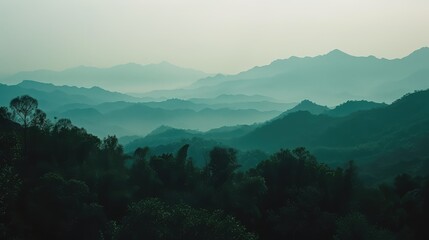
(60, 182)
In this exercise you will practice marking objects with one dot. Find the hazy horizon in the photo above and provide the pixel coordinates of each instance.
(211, 36)
(212, 73)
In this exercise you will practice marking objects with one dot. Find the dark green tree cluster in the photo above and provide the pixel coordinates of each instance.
(59, 182)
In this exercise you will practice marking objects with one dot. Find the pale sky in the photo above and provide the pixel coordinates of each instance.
(214, 36)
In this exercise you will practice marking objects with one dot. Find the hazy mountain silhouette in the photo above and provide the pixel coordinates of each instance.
(329, 79)
(96, 93)
(172, 104)
(144, 119)
(166, 135)
(125, 78)
(308, 106)
(228, 132)
(175, 103)
(350, 107)
(241, 101)
(47, 100)
(103, 112)
(408, 84)
(52, 97)
(237, 98)
(123, 118)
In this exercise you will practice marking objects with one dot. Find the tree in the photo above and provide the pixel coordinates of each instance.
(40, 120)
(62, 125)
(142, 177)
(24, 108)
(181, 158)
(112, 153)
(4, 113)
(111, 144)
(223, 163)
(140, 154)
(181, 155)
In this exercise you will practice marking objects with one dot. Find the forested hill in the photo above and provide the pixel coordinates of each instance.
(325, 130)
(366, 136)
(60, 182)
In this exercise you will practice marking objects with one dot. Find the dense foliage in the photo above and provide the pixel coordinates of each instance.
(59, 182)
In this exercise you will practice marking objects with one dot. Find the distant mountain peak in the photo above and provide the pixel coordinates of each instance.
(166, 63)
(35, 84)
(160, 129)
(337, 53)
(129, 65)
(132, 64)
(352, 106)
(306, 106)
(80, 68)
(423, 49)
(419, 53)
(306, 102)
(28, 81)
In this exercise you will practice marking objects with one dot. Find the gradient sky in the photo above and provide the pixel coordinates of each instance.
(211, 35)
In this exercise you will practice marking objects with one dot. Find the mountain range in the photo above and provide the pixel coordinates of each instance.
(52, 97)
(103, 112)
(329, 79)
(129, 77)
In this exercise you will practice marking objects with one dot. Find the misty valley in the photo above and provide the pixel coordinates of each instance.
(327, 147)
